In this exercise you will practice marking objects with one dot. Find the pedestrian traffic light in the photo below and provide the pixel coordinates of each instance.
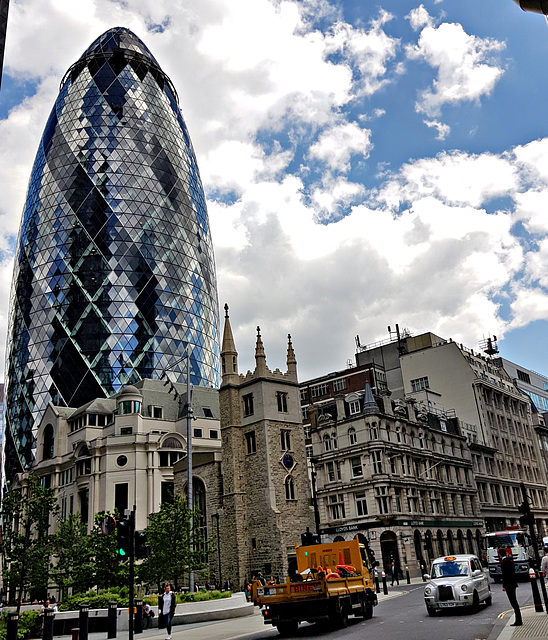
(309, 538)
(122, 538)
(142, 550)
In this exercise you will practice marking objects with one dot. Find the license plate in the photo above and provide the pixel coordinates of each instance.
(447, 604)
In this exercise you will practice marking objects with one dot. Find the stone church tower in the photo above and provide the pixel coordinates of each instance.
(266, 495)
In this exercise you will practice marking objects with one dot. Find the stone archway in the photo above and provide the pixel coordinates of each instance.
(450, 543)
(439, 537)
(470, 541)
(389, 550)
(460, 542)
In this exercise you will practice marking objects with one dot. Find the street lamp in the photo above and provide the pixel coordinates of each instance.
(535, 6)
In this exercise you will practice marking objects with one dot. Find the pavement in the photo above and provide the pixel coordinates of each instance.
(535, 625)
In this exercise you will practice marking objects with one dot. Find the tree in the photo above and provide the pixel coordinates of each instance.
(169, 537)
(109, 571)
(74, 567)
(26, 542)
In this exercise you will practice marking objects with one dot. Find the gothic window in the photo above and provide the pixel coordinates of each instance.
(49, 441)
(281, 399)
(251, 443)
(289, 488)
(248, 404)
(352, 438)
(285, 437)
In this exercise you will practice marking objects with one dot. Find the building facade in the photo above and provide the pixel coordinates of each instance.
(494, 414)
(266, 496)
(117, 452)
(114, 276)
(396, 473)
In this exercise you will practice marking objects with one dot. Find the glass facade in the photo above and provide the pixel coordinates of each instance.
(114, 274)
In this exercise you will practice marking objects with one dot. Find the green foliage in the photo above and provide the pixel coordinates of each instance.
(74, 565)
(169, 538)
(26, 542)
(109, 571)
(29, 625)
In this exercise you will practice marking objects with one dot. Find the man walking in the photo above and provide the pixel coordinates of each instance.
(169, 602)
(510, 584)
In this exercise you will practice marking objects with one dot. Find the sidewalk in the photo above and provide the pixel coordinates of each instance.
(535, 625)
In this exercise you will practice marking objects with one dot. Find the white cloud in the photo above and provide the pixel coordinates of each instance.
(338, 144)
(443, 129)
(465, 70)
(419, 18)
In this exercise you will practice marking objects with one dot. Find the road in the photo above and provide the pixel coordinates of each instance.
(404, 617)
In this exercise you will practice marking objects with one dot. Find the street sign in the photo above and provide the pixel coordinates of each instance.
(108, 525)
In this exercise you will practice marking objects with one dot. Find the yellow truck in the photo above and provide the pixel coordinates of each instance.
(332, 582)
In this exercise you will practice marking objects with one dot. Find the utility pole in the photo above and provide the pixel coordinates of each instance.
(528, 520)
(190, 491)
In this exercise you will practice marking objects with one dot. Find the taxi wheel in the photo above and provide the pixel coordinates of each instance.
(489, 600)
(475, 602)
(431, 611)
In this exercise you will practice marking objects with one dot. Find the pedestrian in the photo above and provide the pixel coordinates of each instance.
(510, 584)
(229, 585)
(544, 563)
(394, 573)
(146, 615)
(169, 602)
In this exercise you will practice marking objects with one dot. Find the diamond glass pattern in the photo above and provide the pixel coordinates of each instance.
(114, 275)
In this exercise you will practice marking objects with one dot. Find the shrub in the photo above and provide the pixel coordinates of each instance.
(30, 625)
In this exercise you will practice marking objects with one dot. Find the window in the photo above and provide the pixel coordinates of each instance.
(49, 442)
(376, 459)
(336, 507)
(197, 433)
(304, 413)
(383, 500)
(354, 407)
(356, 466)
(250, 442)
(319, 390)
(289, 488)
(309, 450)
(420, 383)
(339, 385)
(524, 377)
(130, 406)
(333, 470)
(92, 420)
(304, 395)
(169, 458)
(281, 399)
(207, 412)
(285, 438)
(327, 444)
(352, 437)
(155, 412)
(361, 504)
(121, 497)
(214, 434)
(248, 404)
(373, 432)
(167, 492)
(126, 431)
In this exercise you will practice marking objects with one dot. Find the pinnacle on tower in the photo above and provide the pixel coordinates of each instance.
(229, 355)
(260, 357)
(291, 360)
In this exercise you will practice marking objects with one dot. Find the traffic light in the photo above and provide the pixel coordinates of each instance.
(309, 538)
(122, 538)
(527, 519)
(141, 548)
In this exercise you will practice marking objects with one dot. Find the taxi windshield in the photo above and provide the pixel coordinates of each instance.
(450, 569)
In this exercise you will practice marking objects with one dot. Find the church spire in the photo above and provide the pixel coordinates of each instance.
(291, 360)
(260, 357)
(229, 355)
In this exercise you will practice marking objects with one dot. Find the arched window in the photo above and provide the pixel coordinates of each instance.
(49, 441)
(289, 488)
(334, 440)
(352, 438)
(200, 521)
(327, 444)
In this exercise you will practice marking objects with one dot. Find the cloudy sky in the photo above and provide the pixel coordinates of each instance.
(365, 163)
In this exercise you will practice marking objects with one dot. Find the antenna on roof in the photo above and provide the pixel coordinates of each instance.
(489, 345)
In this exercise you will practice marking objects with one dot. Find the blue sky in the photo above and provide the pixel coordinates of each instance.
(366, 163)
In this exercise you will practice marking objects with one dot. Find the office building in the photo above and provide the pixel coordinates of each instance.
(114, 276)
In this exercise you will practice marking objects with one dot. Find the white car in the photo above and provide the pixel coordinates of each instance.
(456, 581)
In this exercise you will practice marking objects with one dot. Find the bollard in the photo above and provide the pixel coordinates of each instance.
(407, 576)
(13, 624)
(138, 626)
(112, 619)
(384, 585)
(161, 620)
(376, 577)
(536, 592)
(75, 634)
(83, 621)
(47, 629)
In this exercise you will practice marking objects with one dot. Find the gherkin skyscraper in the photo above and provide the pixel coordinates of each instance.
(114, 274)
